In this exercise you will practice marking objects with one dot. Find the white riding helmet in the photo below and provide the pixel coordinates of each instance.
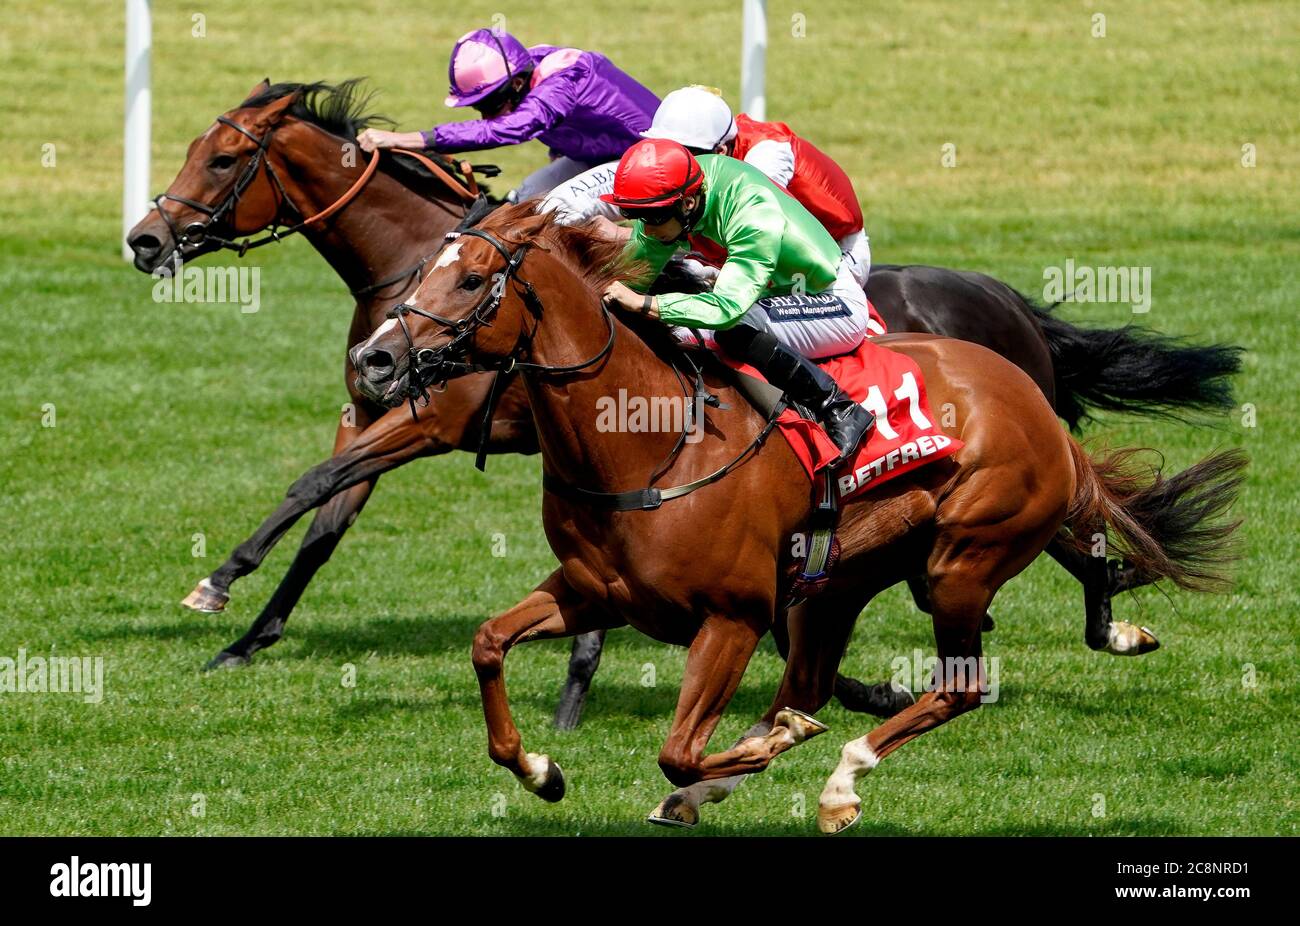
(694, 116)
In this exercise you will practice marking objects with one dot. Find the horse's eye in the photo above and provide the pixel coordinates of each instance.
(472, 282)
(222, 162)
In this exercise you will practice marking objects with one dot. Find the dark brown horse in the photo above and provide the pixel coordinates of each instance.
(706, 563)
(395, 220)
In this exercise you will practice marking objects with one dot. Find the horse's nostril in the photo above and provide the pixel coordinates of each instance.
(145, 244)
(376, 363)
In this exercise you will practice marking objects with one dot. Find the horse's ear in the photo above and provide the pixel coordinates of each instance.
(531, 228)
(273, 112)
(259, 88)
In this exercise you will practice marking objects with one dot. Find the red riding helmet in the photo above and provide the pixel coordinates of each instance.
(653, 173)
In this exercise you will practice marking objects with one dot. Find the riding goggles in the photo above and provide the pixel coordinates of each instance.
(655, 215)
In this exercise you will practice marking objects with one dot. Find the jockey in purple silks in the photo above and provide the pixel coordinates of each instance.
(576, 102)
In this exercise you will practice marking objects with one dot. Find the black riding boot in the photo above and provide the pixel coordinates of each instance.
(846, 422)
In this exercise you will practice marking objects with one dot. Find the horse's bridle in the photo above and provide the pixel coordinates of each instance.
(200, 232)
(426, 366)
(429, 366)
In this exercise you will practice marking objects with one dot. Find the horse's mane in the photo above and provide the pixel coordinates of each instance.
(341, 109)
(594, 258)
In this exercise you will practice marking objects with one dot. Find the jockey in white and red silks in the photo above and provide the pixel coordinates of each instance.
(699, 118)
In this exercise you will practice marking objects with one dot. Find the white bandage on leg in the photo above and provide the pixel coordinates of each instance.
(856, 759)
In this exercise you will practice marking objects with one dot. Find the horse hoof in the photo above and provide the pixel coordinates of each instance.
(548, 785)
(552, 789)
(676, 811)
(1130, 640)
(802, 726)
(206, 598)
(832, 820)
(895, 699)
(884, 699)
(225, 660)
(1148, 643)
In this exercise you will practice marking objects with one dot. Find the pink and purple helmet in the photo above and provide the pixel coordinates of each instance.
(483, 61)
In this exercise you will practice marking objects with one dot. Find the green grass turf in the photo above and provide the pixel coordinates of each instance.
(173, 420)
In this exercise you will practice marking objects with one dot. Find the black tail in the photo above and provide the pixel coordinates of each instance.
(1168, 528)
(1134, 369)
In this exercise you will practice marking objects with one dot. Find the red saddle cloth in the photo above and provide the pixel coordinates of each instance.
(906, 433)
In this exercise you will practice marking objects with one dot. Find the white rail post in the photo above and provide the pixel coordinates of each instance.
(753, 59)
(136, 125)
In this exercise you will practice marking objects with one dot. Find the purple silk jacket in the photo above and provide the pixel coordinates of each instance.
(579, 105)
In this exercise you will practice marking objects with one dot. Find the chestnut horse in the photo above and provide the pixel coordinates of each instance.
(701, 555)
(385, 228)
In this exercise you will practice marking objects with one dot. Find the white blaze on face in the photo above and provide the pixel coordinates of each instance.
(382, 330)
(448, 256)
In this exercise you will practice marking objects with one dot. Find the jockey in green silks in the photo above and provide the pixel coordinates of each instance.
(785, 295)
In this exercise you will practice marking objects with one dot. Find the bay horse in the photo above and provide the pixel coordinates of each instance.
(283, 156)
(379, 241)
(704, 559)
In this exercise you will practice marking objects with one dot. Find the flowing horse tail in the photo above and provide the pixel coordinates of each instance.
(1167, 528)
(1134, 369)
